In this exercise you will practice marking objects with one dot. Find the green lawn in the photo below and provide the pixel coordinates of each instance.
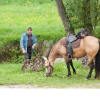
(43, 18)
(12, 74)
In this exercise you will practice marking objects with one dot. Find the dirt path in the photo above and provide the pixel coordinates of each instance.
(90, 86)
(19, 86)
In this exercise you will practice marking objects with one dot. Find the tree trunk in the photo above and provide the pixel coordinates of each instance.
(64, 17)
(87, 17)
(96, 9)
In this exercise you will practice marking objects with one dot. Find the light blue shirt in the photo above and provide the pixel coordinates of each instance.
(24, 40)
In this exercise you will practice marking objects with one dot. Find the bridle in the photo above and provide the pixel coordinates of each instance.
(51, 68)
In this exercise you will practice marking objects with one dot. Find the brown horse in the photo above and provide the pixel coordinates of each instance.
(89, 46)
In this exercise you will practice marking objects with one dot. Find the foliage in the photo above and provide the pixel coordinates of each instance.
(75, 11)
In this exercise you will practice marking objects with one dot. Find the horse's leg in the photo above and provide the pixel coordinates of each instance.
(91, 64)
(91, 70)
(71, 63)
(68, 65)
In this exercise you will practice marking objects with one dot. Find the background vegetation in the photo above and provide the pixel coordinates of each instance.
(77, 12)
(17, 15)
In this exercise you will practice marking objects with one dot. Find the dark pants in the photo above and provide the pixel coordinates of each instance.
(28, 55)
(70, 51)
(70, 39)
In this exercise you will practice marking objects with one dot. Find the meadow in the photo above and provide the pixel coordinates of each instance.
(42, 16)
(11, 74)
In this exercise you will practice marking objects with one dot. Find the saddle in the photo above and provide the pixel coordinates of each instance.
(76, 43)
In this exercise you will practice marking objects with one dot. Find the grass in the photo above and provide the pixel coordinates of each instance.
(43, 18)
(12, 74)
(24, 2)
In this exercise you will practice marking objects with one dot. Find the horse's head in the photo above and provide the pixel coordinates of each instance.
(48, 66)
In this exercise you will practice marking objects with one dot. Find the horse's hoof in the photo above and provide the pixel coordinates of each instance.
(95, 77)
(74, 72)
(68, 75)
(88, 77)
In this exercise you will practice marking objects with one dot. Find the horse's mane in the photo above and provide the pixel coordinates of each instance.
(51, 48)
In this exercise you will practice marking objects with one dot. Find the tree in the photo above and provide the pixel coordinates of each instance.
(65, 19)
(77, 14)
(87, 21)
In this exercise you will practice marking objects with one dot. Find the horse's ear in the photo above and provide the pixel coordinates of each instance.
(45, 59)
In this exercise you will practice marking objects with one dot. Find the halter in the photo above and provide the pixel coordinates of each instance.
(50, 67)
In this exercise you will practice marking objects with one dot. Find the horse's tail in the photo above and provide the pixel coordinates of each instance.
(97, 64)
